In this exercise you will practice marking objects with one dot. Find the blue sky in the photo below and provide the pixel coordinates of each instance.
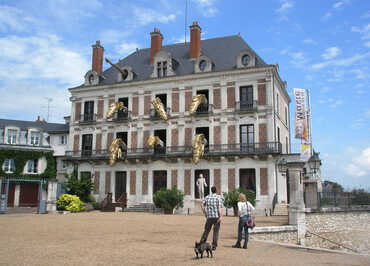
(45, 48)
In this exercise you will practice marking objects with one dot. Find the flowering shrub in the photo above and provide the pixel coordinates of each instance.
(70, 203)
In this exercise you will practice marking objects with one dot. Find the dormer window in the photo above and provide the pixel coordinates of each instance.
(246, 59)
(163, 65)
(91, 78)
(162, 69)
(203, 64)
(35, 138)
(12, 136)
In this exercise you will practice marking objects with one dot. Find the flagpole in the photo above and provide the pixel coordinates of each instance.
(309, 120)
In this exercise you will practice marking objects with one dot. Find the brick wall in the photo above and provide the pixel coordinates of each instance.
(98, 143)
(175, 102)
(231, 134)
(174, 177)
(263, 181)
(188, 96)
(217, 98)
(188, 136)
(231, 97)
(174, 137)
(147, 104)
(144, 183)
(231, 179)
(76, 142)
(135, 105)
(262, 132)
(100, 109)
(109, 139)
(187, 182)
(133, 139)
(146, 135)
(77, 111)
(132, 182)
(262, 99)
(107, 182)
(217, 179)
(96, 182)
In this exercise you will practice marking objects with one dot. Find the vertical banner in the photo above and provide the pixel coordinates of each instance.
(300, 118)
(305, 151)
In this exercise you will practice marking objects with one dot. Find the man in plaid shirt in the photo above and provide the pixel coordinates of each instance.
(212, 210)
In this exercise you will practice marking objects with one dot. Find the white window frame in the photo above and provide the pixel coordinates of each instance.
(63, 139)
(11, 138)
(9, 166)
(32, 166)
(2, 131)
(35, 138)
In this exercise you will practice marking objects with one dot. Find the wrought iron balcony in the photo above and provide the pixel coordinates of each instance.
(216, 150)
(122, 116)
(87, 118)
(204, 109)
(155, 116)
(245, 107)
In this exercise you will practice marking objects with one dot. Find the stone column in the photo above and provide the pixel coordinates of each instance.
(296, 207)
(51, 203)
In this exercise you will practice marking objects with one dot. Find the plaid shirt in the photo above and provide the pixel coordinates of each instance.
(211, 204)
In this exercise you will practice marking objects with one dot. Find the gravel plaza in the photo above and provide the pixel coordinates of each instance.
(120, 238)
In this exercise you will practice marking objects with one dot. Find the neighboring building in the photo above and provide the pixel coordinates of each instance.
(28, 154)
(245, 120)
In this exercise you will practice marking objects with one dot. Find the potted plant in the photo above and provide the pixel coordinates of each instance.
(169, 199)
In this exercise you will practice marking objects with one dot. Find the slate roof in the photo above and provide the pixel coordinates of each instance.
(222, 52)
(47, 127)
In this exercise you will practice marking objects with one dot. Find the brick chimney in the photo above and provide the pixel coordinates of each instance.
(156, 43)
(97, 57)
(195, 31)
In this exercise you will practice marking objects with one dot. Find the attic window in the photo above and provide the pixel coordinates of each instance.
(162, 69)
(91, 79)
(246, 59)
(124, 74)
(202, 65)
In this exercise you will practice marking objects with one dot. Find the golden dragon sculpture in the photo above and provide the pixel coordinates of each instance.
(196, 101)
(154, 141)
(198, 147)
(116, 151)
(114, 107)
(158, 106)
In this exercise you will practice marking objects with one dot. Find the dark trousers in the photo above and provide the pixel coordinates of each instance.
(243, 226)
(207, 228)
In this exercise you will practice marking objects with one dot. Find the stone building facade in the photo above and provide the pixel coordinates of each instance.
(245, 120)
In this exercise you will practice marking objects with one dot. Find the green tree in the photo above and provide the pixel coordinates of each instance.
(80, 187)
(231, 198)
(360, 197)
(169, 199)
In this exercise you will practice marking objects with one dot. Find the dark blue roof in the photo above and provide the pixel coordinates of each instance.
(44, 126)
(222, 52)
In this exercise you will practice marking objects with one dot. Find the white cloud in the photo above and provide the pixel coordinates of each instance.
(338, 4)
(146, 16)
(14, 19)
(331, 52)
(207, 7)
(335, 103)
(366, 15)
(40, 57)
(126, 48)
(364, 31)
(367, 113)
(284, 9)
(360, 165)
(309, 41)
(326, 16)
(341, 62)
(359, 73)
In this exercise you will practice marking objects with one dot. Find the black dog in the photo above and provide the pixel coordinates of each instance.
(201, 247)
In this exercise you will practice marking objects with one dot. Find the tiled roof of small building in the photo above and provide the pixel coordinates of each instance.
(44, 126)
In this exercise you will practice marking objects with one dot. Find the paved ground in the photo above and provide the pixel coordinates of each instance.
(140, 239)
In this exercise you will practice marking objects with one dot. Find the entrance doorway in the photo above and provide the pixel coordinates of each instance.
(29, 195)
(120, 186)
(159, 180)
(205, 173)
(11, 193)
(247, 179)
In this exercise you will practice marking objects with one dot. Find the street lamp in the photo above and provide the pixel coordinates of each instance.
(282, 165)
(315, 162)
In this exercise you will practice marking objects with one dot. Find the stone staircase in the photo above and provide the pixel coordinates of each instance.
(143, 207)
(281, 209)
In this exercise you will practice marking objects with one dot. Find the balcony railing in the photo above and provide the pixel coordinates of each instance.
(155, 116)
(122, 116)
(215, 150)
(87, 118)
(245, 107)
(204, 109)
